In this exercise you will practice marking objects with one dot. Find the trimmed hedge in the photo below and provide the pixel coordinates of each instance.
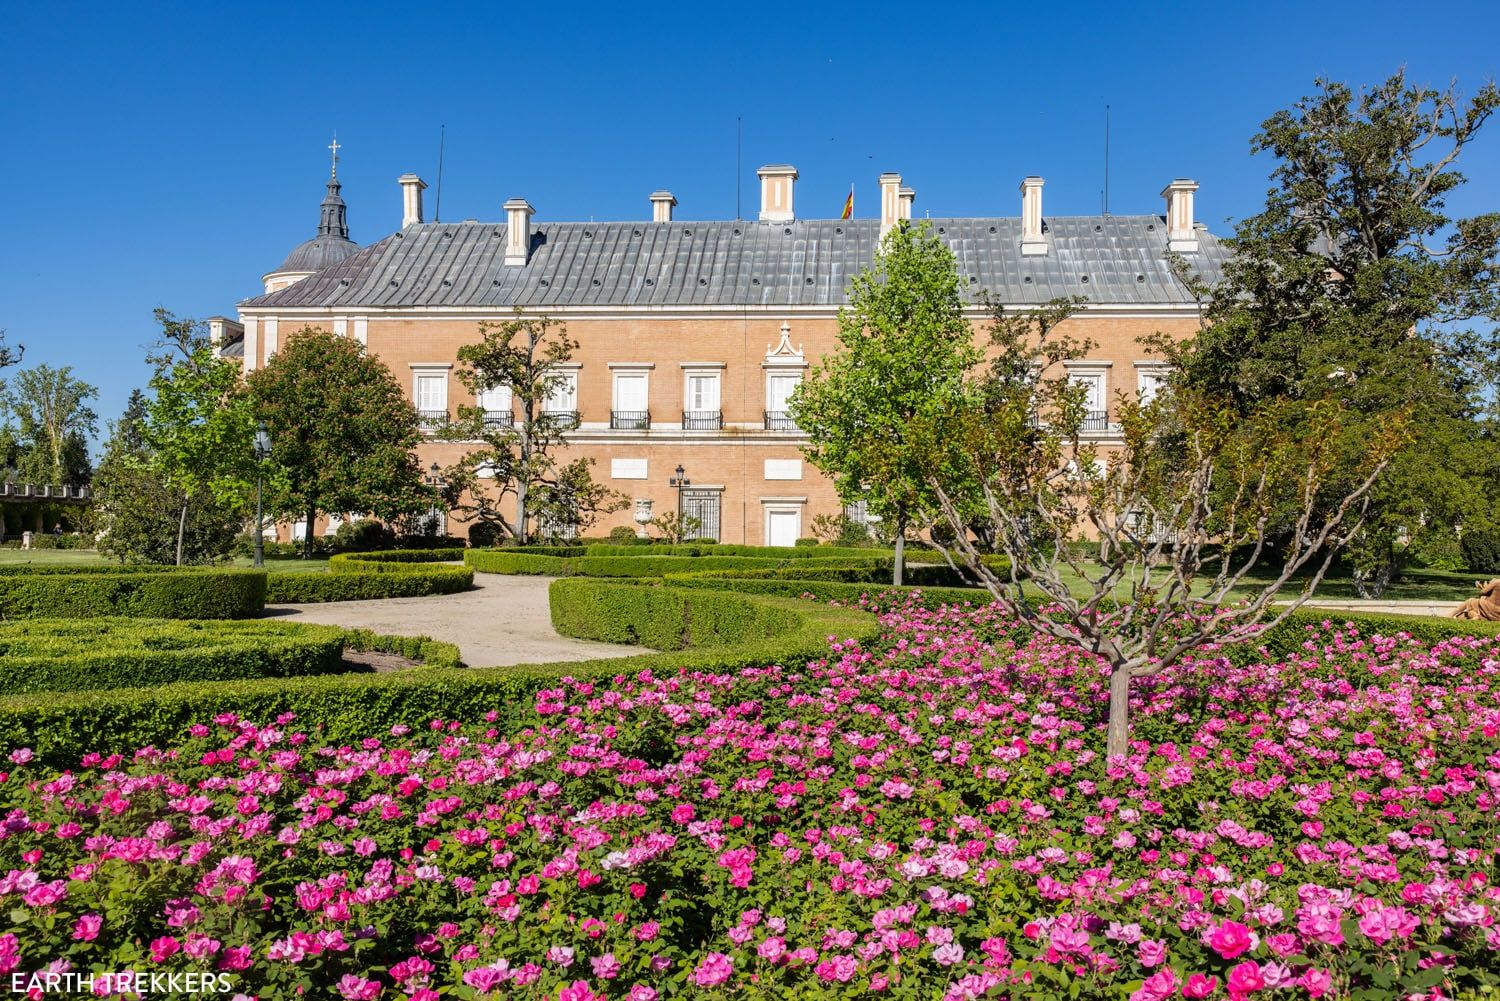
(1291, 634)
(362, 577)
(506, 561)
(61, 728)
(929, 597)
(90, 592)
(663, 618)
(76, 655)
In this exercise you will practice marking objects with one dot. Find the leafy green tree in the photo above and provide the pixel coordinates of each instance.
(199, 430)
(53, 422)
(1354, 285)
(904, 344)
(517, 451)
(343, 433)
(138, 515)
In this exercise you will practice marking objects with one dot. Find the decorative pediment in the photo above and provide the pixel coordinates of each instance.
(783, 354)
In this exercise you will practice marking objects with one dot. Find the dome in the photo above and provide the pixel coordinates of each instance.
(322, 251)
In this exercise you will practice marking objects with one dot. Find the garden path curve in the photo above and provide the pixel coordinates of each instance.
(504, 620)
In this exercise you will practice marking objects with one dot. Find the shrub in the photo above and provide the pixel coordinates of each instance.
(1481, 549)
(663, 618)
(811, 540)
(620, 535)
(29, 592)
(366, 576)
(348, 707)
(83, 654)
(362, 535)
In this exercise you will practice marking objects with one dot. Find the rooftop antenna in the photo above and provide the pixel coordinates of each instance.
(739, 139)
(437, 211)
(1106, 160)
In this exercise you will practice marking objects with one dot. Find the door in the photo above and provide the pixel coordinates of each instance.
(783, 526)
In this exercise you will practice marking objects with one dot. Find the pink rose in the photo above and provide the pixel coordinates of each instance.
(86, 928)
(1200, 986)
(714, 970)
(1230, 939)
(1245, 978)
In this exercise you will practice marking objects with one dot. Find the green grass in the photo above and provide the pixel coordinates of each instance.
(286, 564)
(53, 557)
(1414, 585)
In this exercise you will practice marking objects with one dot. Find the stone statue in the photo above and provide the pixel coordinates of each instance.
(1486, 607)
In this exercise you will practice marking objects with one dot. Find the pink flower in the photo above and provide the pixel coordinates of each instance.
(1386, 923)
(714, 970)
(640, 992)
(605, 966)
(353, 987)
(1315, 981)
(682, 813)
(1151, 952)
(164, 948)
(1245, 978)
(1158, 987)
(579, 990)
(952, 953)
(1230, 939)
(86, 928)
(1200, 986)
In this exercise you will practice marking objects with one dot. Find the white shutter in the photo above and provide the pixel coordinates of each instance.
(432, 392)
(780, 388)
(703, 392)
(630, 393)
(496, 398)
(564, 391)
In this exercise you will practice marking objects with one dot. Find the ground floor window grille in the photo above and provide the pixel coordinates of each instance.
(700, 513)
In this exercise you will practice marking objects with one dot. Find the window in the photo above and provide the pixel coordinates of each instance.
(495, 402)
(1150, 379)
(779, 389)
(1095, 401)
(630, 410)
(430, 391)
(701, 410)
(562, 397)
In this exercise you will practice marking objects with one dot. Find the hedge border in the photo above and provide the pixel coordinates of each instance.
(60, 728)
(87, 592)
(399, 573)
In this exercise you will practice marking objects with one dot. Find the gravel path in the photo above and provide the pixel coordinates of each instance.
(504, 620)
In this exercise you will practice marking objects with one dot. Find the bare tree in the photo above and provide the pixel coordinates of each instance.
(1138, 552)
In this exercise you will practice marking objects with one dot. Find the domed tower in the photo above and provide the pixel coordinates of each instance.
(331, 245)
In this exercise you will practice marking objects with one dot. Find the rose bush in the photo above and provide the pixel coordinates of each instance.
(928, 818)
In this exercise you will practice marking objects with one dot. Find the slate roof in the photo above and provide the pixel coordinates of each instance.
(1109, 259)
(318, 253)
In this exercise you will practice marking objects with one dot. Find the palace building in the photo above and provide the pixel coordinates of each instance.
(693, 333)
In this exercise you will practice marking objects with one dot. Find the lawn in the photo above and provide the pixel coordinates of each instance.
(87, 557)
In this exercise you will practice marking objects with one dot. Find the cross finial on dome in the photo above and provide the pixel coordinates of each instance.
(335, 147)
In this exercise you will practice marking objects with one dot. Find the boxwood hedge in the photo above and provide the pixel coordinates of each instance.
(87, 592)
(716, 631)
(514, 561)
(363, 576)
(73, 655)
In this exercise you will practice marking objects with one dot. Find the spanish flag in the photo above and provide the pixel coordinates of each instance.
(848, 204)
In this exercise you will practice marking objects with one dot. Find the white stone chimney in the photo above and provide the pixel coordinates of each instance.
(1033, 239)
(412, 187)
(1182, 235)
(904, 198)
(776, 183)
(518, 213)
(890, 202)
(662, 203)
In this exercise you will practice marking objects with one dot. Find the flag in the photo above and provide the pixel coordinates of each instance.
(848, 204)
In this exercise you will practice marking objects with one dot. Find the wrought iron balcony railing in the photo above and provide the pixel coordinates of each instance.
(1095, 420)
(431, 420)
(630, 420)
(565, 419)
(499, 419)
(780, 420)
(703, 420)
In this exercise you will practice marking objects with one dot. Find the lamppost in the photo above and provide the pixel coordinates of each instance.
(435, 480)
(680, 481)
(262, 452)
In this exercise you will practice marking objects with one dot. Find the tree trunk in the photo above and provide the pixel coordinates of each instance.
(521, 510)
(898, 570)
(307, 536)
(181, 529)
(1119, 713)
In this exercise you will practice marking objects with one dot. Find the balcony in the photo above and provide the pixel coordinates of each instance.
(780, 420)
(564, 419)
(1095, 420)
(432, 420)
(703, 420)
(495, 419)
(630, 420)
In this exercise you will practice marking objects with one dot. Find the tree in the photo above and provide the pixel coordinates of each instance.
(904, 344)
(139, 515)
(343, 433)
(517, 450)
(199, 430)
(1354, 285)
(1179, 514)
(53, 424)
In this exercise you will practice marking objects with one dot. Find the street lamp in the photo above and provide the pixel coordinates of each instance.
(262, 452)
(680, 481)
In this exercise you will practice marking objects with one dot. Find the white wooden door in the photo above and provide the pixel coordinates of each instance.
(783, 526)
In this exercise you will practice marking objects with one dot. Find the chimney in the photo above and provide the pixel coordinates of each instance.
(890, 202)
(411, 199)
(776, 182)
(518, 212)
(903, 203)
(1033, 240)
(1182, 236)
(662, 203)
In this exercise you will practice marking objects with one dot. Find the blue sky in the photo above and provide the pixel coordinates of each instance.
(172, 154)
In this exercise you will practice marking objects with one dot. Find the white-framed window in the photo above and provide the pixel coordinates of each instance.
(432, 392)
(780, 384)
(562, 395)
(701, 394)
(1149, 380)
(1094, 378)
(496, 399)
(631, 390)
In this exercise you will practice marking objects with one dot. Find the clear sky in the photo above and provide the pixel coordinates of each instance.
(170, 155)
